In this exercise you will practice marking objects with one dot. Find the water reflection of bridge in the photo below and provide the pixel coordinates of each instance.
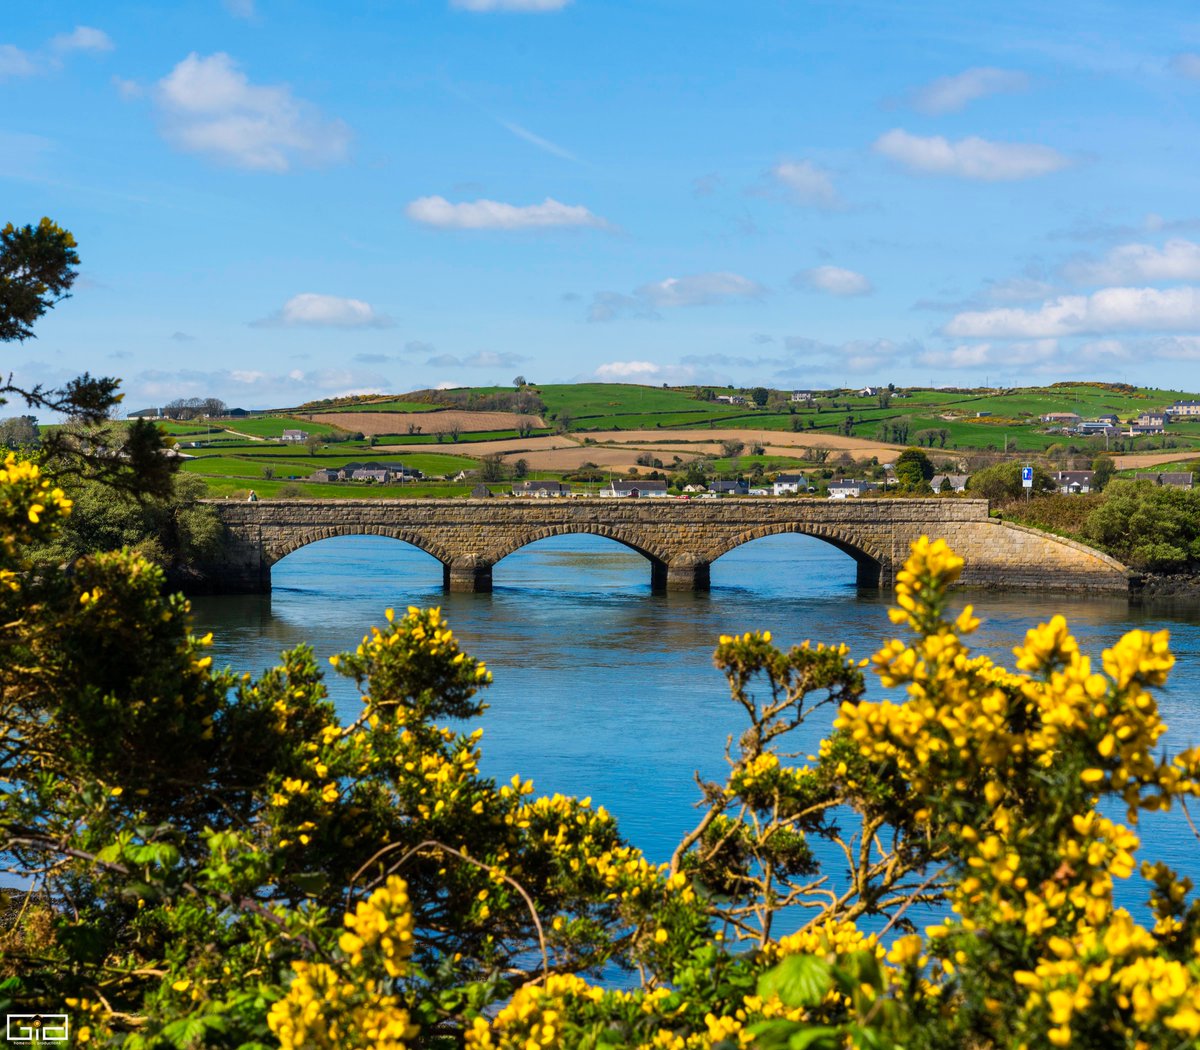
(680, 538)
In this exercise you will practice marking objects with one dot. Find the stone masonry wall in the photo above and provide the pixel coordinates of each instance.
(680, 538)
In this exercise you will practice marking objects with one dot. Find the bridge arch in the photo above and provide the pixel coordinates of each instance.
(293, 540)
(626, 537)
(872, 563)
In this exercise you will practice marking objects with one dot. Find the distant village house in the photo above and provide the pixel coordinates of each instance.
(540, 489)
(634, 489)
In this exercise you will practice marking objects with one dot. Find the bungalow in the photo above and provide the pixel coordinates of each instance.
(1098, 426)
(380, 476)
(634, 489)
(1181, 479)
(325, 474)
(786, 484)
(730, 488)
(540, 489)
(730, 399)
(1062, 419)
(145, 413)
(295, 437)
(847, 488)
(1142, 429)
(803, 395)
(869, 391)
(958, 482)
(1073, 482)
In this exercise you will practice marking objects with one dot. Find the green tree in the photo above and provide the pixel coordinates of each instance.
(1003, 481)
(1103, 470)
(912, 468)
(1147, 526)
(759, 395)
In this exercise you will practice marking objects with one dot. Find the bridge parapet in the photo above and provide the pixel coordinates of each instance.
(680, 538)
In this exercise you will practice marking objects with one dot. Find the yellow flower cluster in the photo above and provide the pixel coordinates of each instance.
(30, 509)
(324, 1010)
(381, 927)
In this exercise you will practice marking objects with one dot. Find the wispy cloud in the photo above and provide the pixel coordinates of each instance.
(254, 388)
(970, 158)
(497, 215)
(209, 106)
(483, 359)
(834, 280)
(310, 309)
(527, 6)
(241, 8)
(17, 62)
(1187, 65)
(952, 94)
(807, 183)
(82, 38)
(536, 140)
(700, 289)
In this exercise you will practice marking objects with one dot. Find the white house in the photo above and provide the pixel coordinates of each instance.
(1071, 482)
(958, 482)
(848, 488)
(540, 489)
(635, 489)
(295, 437)
(788, 484)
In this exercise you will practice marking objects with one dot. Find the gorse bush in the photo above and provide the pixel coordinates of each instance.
(205, 859)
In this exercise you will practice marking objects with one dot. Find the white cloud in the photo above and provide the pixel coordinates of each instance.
(1177, 260)
(701, 289)
(1187, 65)
(951, 94)
(82, 38)
(1109, 309)
(970, 158)
(209, 106)
(808, 183)
(240, 8)
(643, 372)
(253, 388)
(483, 359)
(127, 89)
(310, 309)
(833, 279)
(496, 215)
(536, 6)
(996, 355)
(16, 63)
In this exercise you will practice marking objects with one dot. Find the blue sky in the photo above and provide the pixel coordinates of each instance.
(278, 200)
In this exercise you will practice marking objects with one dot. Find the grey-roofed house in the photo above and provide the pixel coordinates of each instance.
(786, 484)
(848, 488)
(634, 489)
(1073, 482)
(730, 488)
(540, 489)
(1177, 479)
(958, 482)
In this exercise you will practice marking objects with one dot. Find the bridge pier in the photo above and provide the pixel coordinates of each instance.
(684, 573)
(468, 575)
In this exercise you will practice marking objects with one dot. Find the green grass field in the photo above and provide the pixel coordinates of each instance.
(221, 487)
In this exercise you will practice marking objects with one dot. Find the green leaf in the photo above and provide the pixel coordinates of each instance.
(820, 1037)
(800, 980)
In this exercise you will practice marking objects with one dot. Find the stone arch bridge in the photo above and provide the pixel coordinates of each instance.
(680, 538)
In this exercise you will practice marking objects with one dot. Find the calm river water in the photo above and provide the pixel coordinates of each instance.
(605, 689)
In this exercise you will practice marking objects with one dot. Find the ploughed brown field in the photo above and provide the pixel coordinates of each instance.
(619, 449)
(430, 422)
